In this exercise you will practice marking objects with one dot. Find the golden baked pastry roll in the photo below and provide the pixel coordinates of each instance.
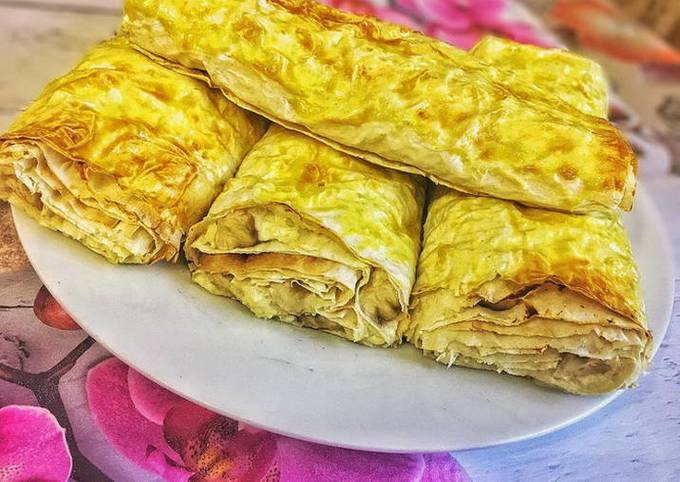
(395, 98)
(576, 80)
(124, 155)
(530, 292)
(314, 237)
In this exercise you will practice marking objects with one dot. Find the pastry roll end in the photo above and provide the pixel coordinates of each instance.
(548, 295)
(314, 237)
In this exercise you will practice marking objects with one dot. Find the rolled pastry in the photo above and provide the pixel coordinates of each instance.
(576, 80)
(395, 98)
(123, 155)
(314, 237)
(529, 292)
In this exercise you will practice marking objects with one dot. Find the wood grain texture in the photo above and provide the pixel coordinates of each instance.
(12, 256)
(637, 437)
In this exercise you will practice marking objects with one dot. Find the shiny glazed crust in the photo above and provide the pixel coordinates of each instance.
(395, 98)
(576, 80)
(310, 235)
(549, 295)
(123, 154)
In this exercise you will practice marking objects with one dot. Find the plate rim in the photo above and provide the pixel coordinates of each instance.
(642, 197)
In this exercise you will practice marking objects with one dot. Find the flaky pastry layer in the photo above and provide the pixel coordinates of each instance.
(552, 296)
(313, 236)
(123, 154)
(395, 98)
(578, 81)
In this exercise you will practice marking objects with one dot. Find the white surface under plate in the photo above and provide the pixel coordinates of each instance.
(307, 384)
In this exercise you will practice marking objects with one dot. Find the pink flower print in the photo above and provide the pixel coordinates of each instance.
(32, 446)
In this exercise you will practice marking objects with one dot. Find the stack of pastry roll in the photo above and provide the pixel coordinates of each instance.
(123, 154)
(531, 292)
(549, 295)
(315, 237)
(321, 224)
(395, 98)
(543, 293)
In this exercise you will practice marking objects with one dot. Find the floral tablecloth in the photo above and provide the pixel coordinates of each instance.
(70, 410)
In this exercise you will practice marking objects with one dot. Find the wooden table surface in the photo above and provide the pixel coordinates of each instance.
(637, 437)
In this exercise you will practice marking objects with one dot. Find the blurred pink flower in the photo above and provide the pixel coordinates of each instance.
(448, 14)
(464, 22)
(182, 441)
(304, 461)
(32, 446)
(213, 447)
(150, 399)
(133, 435)
(465, 39)
(460, 22)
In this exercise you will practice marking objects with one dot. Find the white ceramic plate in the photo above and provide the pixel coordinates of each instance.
(307, 384)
